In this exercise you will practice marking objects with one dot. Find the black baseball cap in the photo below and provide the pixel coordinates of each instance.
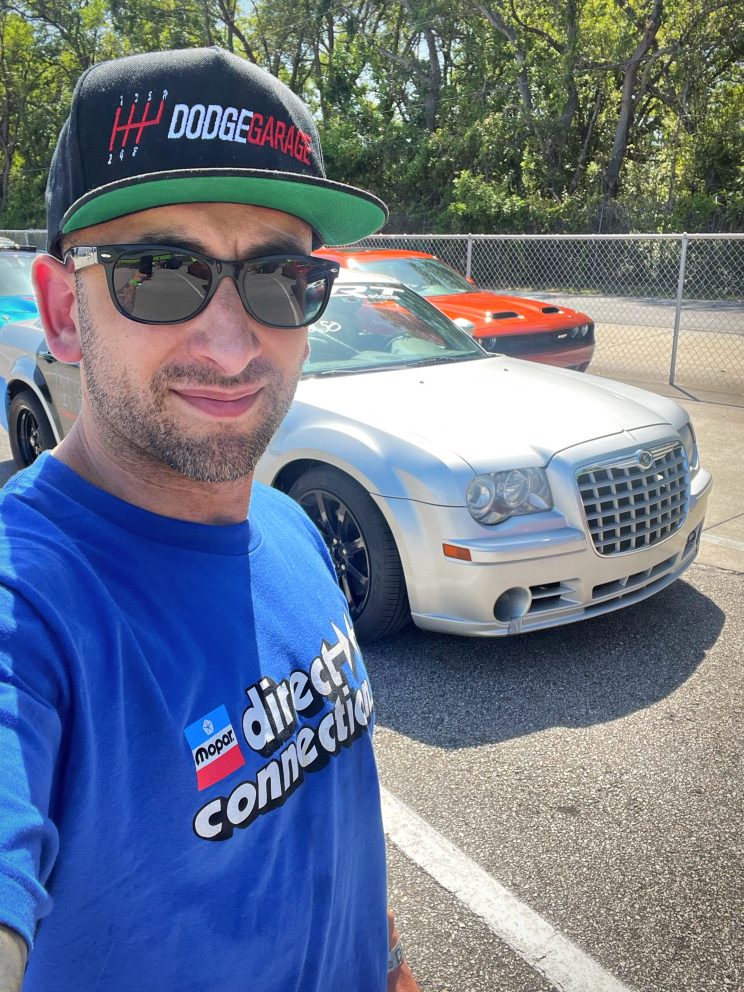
(195, 125)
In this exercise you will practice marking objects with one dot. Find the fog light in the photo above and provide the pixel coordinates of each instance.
(693, 538)
(512, 604)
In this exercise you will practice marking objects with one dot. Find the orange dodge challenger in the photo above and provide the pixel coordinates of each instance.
(505, 325)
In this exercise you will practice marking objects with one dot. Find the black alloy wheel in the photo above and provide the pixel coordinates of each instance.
(29, 429)
(362, 550)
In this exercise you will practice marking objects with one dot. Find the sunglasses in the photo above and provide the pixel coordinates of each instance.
(157, 284)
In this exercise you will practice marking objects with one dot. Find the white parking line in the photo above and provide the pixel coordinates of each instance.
(562, 963)
(727, 542)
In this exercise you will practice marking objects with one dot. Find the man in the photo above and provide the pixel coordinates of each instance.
(189, 797)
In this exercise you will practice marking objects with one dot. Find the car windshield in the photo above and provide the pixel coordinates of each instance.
(426, 276)
(374, 327)
(15, 274)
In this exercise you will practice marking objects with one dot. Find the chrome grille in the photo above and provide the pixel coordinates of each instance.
(628, 507)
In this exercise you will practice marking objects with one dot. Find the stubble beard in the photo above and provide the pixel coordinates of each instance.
(138, 424)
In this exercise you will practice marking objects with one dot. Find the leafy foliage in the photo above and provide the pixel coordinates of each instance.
(493, 115)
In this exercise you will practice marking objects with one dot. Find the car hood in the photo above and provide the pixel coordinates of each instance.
(490, 413)
(478, 308)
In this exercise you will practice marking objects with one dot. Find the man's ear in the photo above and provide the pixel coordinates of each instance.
(54, 285)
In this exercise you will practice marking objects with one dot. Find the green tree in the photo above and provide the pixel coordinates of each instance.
(514, 115)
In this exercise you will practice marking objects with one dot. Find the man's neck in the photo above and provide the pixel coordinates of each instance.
(147, 483)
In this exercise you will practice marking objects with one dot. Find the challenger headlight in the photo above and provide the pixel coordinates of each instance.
(494, 496)
(687, 436)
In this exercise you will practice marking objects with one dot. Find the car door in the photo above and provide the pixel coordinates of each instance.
(63, 383)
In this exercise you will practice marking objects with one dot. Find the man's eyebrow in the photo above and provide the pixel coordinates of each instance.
(278, 245)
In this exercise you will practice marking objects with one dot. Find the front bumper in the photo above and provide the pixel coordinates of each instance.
(547, 577)
(567, 355)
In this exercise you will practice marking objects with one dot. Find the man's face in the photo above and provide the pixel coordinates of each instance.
(206, 396)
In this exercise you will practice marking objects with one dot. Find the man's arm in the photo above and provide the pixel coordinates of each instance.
(13, 952)
(32, 691)
(400, 979)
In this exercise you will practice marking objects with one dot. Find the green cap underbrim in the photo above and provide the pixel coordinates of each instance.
(339, 214)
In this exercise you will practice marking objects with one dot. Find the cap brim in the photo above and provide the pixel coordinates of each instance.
(339, 214)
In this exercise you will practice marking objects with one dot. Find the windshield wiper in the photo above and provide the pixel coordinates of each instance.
(351, 370)
(319, 373)
(437, 359)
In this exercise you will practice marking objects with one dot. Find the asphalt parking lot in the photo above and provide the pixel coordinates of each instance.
(564, 808)
(595, 775)
(591, 773)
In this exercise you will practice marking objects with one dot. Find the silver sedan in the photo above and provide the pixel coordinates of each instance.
(472, 493)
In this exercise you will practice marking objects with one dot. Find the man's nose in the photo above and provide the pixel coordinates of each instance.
(225, 334)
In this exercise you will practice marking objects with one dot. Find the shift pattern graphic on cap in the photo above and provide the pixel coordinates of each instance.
(133, 124)
(195, 125)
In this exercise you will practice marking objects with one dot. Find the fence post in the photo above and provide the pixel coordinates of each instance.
(469, 257)
(678, 309)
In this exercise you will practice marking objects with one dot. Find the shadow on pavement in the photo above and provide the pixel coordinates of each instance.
(453, 692)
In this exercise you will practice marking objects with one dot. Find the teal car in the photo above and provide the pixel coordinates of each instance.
(16, 293)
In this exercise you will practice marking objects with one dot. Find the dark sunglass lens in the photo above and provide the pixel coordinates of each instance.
(286, 292)
(160, 286)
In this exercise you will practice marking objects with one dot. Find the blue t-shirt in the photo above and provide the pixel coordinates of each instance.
(188, 797)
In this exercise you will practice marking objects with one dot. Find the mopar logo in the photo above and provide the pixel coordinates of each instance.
(214, 748)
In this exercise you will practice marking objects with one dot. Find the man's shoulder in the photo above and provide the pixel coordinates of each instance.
(26, 489)
(27, 502)
(279, 514)
(35, 549)
(268, 503)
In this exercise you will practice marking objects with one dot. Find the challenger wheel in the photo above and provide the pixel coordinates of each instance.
(362, 549)
(29, 429)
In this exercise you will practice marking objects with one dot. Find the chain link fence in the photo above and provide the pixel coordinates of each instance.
(35, 238)
(667, 308)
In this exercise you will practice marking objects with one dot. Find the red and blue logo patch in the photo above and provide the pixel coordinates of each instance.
(214, 747)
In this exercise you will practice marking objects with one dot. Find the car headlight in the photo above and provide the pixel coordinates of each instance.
(494, 496)
(687, 436)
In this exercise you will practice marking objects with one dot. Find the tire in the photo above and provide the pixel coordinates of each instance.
(29, 429)
(362, 549)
